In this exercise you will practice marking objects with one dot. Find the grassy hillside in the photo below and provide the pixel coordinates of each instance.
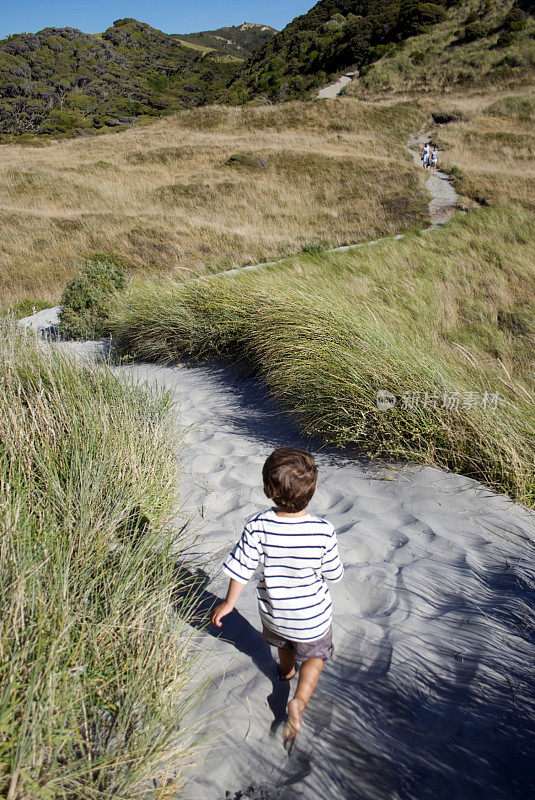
(61, 80)
(337, 34)
(490, 150)
(479, 44)
(95, 649)
(445, 321)
(237, 40)
(163, 199)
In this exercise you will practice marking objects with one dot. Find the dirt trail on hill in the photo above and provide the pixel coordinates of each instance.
(428, 695)
(438, 184)
(334, 89)
(443, 195)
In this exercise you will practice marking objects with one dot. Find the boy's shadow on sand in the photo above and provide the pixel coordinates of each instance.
(191, 587)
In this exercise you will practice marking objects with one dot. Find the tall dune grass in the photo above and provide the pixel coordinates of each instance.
(327, 333)
(94, 651)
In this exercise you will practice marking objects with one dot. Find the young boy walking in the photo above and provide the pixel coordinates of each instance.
(298, 553)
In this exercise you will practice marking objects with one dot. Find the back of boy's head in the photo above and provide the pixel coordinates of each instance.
(290, 477)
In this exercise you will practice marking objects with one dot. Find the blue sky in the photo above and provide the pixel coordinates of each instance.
(92, 16)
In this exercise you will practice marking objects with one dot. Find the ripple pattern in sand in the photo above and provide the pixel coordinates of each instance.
(429, 693)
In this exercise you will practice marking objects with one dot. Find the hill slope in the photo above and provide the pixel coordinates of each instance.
(238, 40)
(337, 34)
(469, 50)
(61, 80)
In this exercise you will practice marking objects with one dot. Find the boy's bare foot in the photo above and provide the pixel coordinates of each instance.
(295, 715)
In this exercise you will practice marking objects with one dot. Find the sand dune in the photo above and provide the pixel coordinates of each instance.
(428, 695)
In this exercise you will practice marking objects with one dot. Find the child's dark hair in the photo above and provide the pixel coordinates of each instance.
(290, 478)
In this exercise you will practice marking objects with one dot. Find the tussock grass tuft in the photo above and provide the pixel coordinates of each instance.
(409, 317)
(94, 683)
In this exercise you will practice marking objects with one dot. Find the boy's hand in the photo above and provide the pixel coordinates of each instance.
(219, 612)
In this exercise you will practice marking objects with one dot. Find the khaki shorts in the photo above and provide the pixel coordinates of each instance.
(318, 648)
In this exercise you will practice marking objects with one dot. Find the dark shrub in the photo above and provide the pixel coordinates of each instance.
(415, 17)
(240, 160)
(505, 39)
(475, 30)
(515, 20)
(59, 121)
(86, 299)
(313, 249)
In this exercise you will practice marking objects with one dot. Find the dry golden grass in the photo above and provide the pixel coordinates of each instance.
(490, 150)
(162, 198)
(493, 155)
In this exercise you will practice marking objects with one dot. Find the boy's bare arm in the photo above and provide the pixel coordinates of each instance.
(234, 590)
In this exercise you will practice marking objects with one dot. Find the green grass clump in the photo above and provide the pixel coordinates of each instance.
(412, 317)
(86, 299)
(93, 645)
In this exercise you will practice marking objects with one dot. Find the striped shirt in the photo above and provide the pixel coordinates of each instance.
(297, 556)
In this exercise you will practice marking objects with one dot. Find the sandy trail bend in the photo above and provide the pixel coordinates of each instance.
(429, 693)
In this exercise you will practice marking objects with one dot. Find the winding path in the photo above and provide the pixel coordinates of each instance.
(441, 206)
(428, 695)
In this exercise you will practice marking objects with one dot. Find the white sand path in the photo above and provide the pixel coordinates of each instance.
(438, 184)
(429, 693)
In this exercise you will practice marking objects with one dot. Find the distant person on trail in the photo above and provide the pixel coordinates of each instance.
(434, 158)
(426, 155)
(298, 554)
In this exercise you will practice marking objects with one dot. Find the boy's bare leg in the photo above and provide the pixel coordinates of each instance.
(308, 679)
(287, 664)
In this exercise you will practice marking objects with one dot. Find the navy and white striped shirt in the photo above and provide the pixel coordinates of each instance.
(298, 555)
